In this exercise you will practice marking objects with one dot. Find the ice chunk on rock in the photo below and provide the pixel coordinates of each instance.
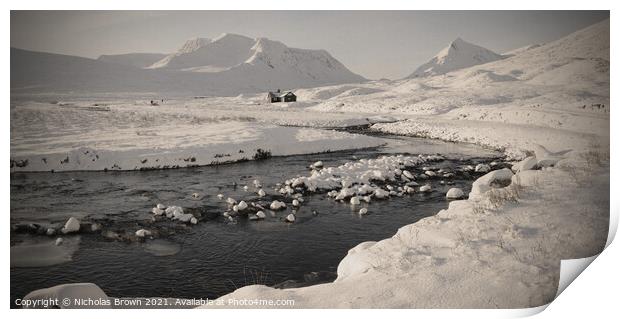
(71, 226)
(455, 193)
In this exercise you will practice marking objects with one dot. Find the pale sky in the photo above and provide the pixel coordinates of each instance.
(374, 44)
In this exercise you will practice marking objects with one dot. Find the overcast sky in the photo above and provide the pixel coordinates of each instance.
(375, 44)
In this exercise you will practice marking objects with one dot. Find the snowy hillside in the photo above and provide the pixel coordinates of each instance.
(458, 55)
(561, 84)
(138, 60)
(227, 66)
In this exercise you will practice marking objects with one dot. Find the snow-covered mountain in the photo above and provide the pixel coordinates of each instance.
(138, 60)
(260, 58)
(458, 55)
(205, 55)
(228, 65)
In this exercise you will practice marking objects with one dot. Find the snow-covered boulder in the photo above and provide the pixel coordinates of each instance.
(157, 211)
(482, 168)
(261, 193)
(277, 205)
(171, 211)
(38, 298)
(231, 201)
(242, 206)
(295, 203)
(50, 232)
(143, 233)
(71, 226)
(317, 164)
(183, 217)
(290, 218)
(260, 215)
(363, 211)
(501, 177)
(58, 241)
(425, 188)
(220, 196)
(408, 189)
(161, 206)
(455, 193)
(528, 163)
(408, 174)
(355, 200)
(380, 193)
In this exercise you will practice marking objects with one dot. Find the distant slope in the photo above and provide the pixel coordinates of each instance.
(138, 60)
(47, 72)
(458, 55)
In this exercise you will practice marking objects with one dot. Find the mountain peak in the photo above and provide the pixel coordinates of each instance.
(231, 37)
(459, 54)
(194, 44)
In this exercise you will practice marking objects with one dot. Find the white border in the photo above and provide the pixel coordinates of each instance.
(593, 293)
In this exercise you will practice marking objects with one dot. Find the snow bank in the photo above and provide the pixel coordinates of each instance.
(78, 291)
(498, 178)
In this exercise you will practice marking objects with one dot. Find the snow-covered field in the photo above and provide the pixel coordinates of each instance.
(501, 248)
(131, 135)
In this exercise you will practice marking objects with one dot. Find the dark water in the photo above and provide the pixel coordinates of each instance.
(213, 257)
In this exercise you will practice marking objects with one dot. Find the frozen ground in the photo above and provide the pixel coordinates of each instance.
(502, 247)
